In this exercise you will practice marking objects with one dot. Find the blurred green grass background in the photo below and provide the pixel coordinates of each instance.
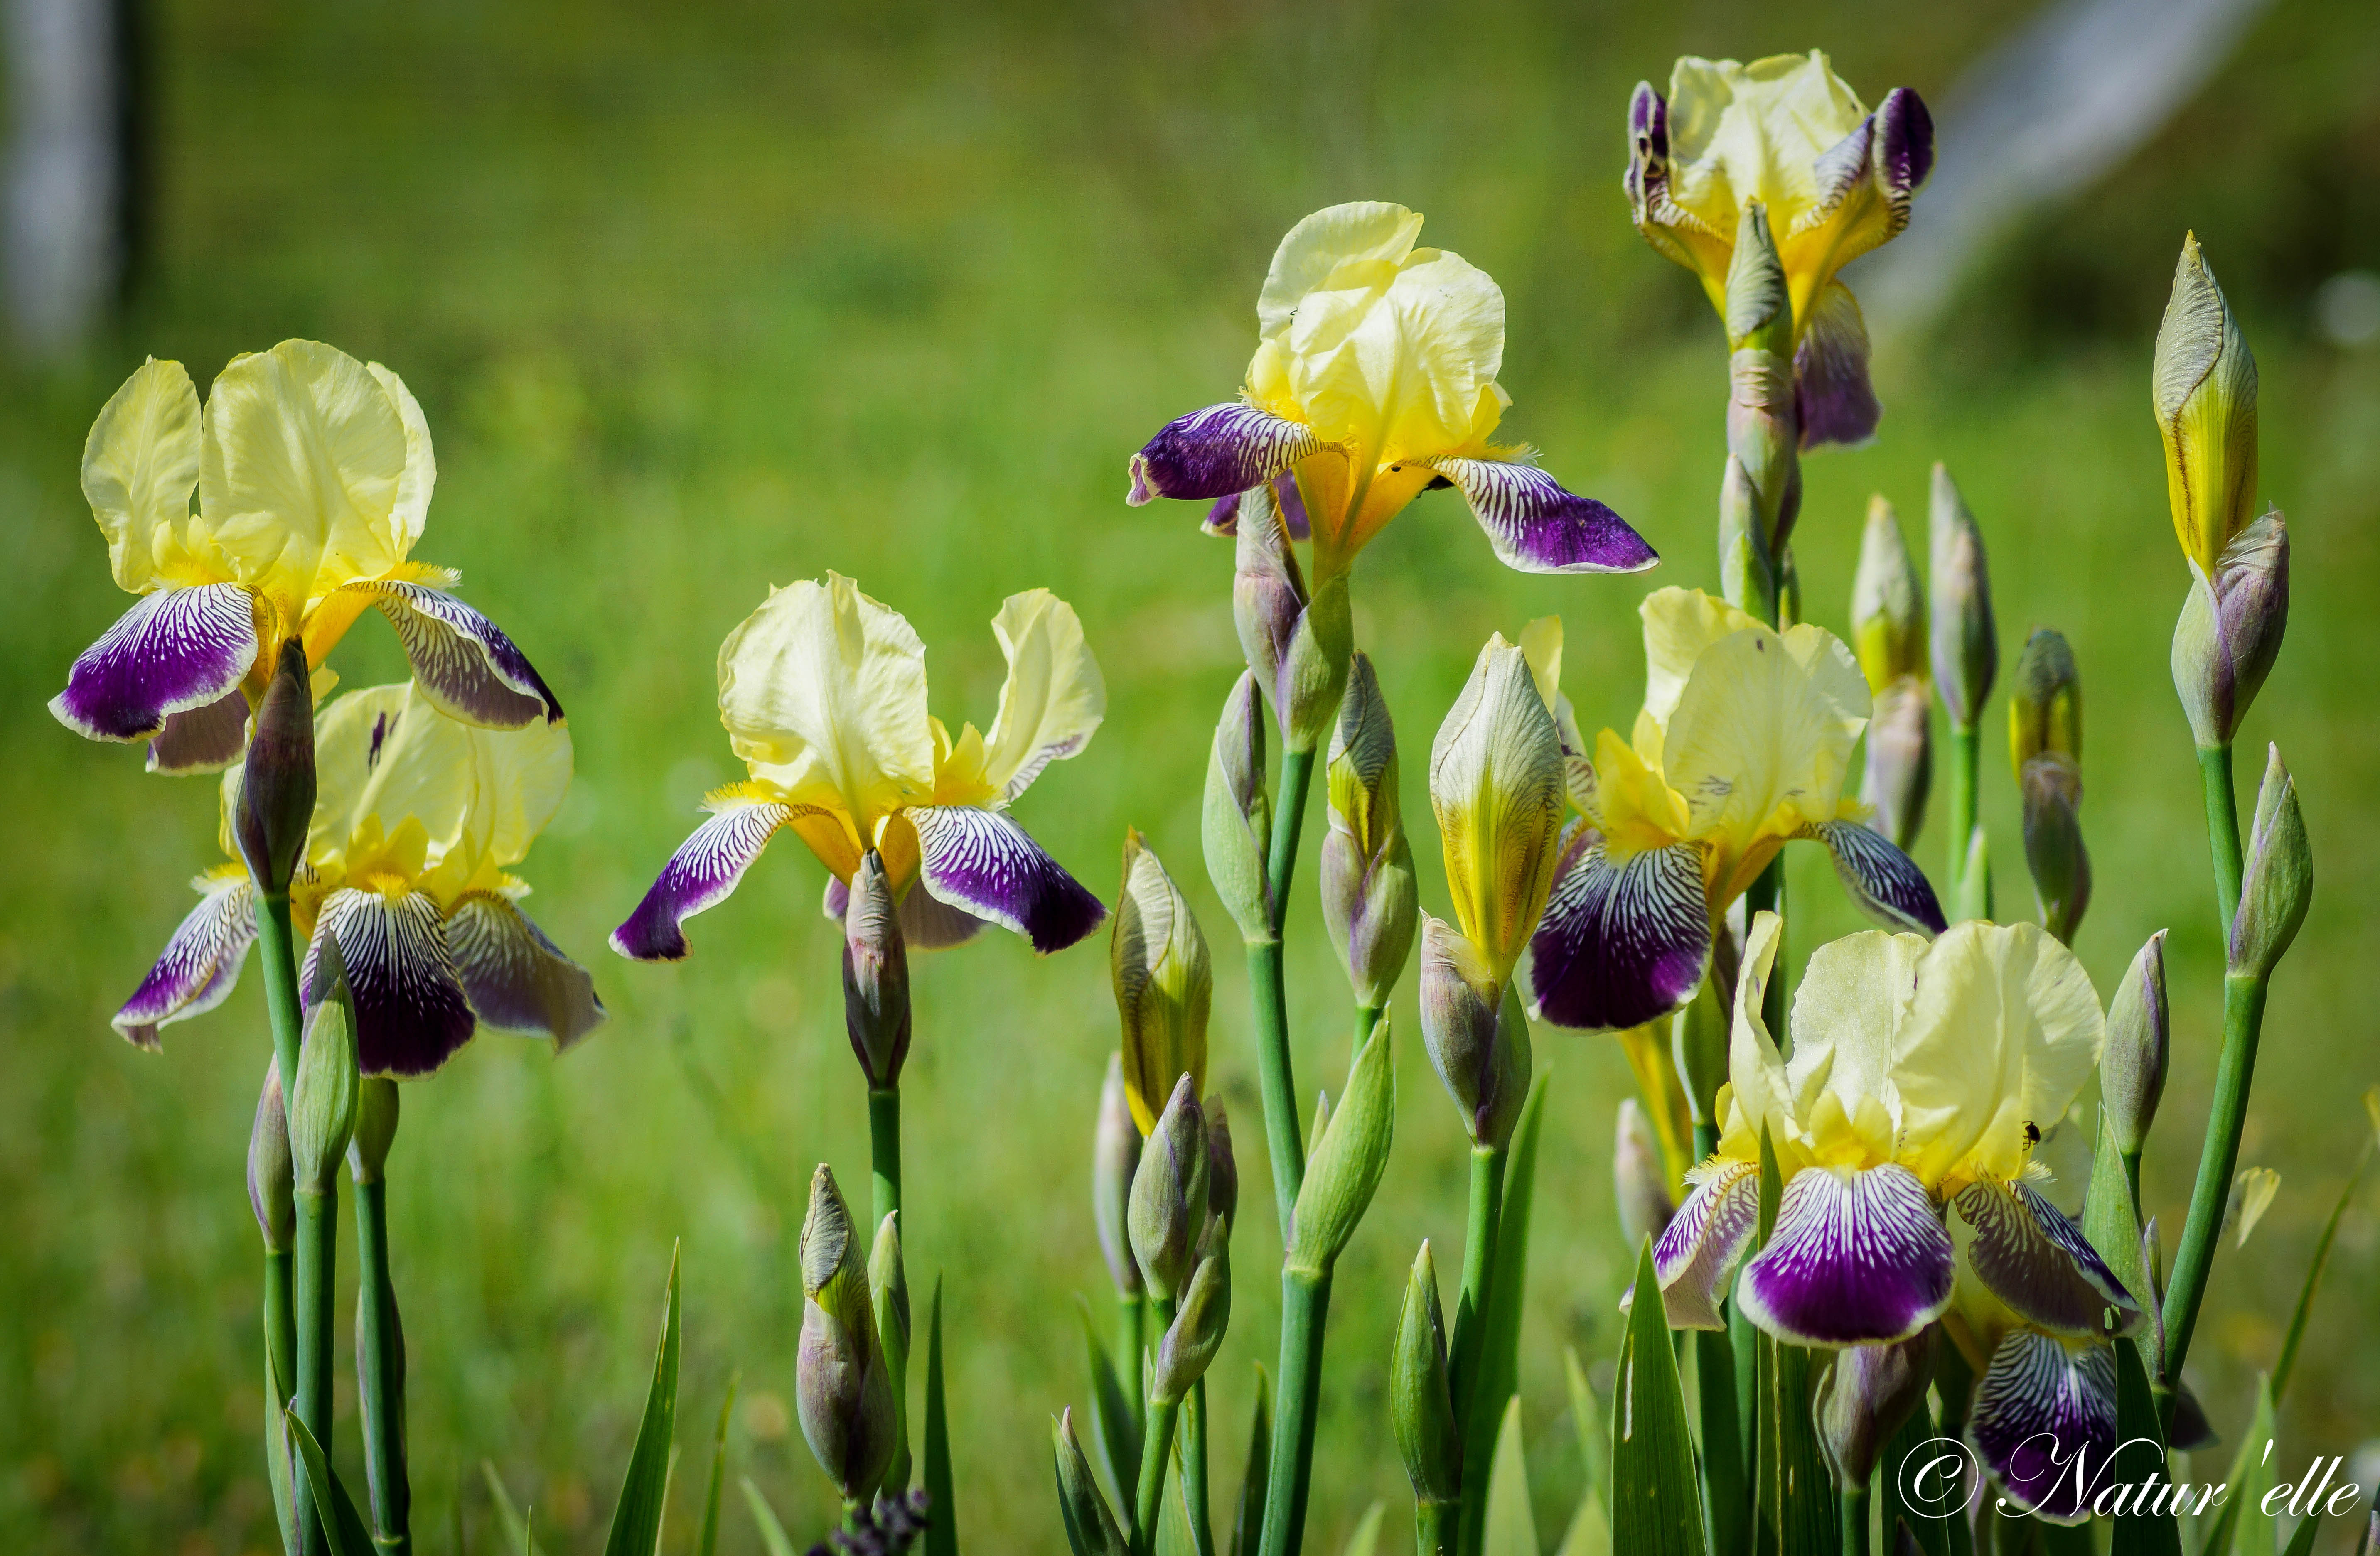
(699, 299)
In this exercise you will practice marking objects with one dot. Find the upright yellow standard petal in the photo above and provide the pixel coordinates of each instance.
(138, 467)
(1496, 784)
(411, 509)
(822, 691)
(2204, 393)
(1053, 698)
(1679, 624)
(303, 458)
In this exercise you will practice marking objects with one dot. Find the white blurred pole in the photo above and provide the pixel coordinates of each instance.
(64, 237)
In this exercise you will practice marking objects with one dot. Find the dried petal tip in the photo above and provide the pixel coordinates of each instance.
(272, 1182)
(874, 975)
(276, 790)
(2277, 882)
(1965, 640)
(2133, 1068)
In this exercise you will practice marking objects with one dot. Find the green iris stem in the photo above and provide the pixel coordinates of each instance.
(1132, 1319)
(1276, 1076)
(1193, 1469)
(1156, 1449)
(1367, 1020)
(884, 1151)
(1465, 1360)
(275, 940)
(317, 1246)
(1434, 1527)
(2222, 829)
(2243, 1021)
(380, 1368)
(1851, 1513)
(1304, 1310)
(1965, 755)
(2132, 1179)
(280, 1325)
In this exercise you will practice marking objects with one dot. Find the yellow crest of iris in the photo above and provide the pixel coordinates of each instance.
(1743, 743)
(1948, 1056)
(822, 691)
(1389, 352)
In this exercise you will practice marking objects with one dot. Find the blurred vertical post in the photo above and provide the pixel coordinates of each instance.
(74, 176)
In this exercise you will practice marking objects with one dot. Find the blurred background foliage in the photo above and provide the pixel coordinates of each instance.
(703, 298)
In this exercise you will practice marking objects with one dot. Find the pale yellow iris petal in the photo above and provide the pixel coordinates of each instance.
(1679, 624)
(138, 466)
(1847, 1017)
(1762, 734)
(1760, 1094)
(303, 457)
(411, 509)
(1053, 698)
(822, 691)
(1541, 645)
(1633, 807)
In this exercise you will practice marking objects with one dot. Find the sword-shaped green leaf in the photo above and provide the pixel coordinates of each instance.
(942, 1513)
(707, 1543)
(1655, 1505)
(772, 1533)
(1248, 1523)
(516, 1529)
(1511, 1525)
(644, 1492)
(1115, 1428)
(343, 1532)
(2140, 1452)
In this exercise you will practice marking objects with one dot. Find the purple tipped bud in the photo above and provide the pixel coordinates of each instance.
(2052, 786)
(1966, 642)
(1421, 1408)
(1865, 1396)
(1478, 1040)
(1116, 1156)
(1190, 1343)
(1900, 759)
(2230, 630)
(1369, 899)
(2277, 880)
(1236, 822)
(2131, 1070)
(1223, 1169)
(842, 1385)
(1639, 1178)
(1168, 1214)
(276, 788)
(272, 1181)
(874, 975)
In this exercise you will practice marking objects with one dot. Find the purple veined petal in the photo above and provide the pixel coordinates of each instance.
(702, 873)
(926, 924)
(1832, 395)
(836, 905)
(462, 661)
(1858, 1257)
(1885, 882)
(1620, 945)
(201, 740)
(2045, 1422)
(1696, 1251)
(411, 1014)
(1219, 451)
(982, 862)
(2035, 1260)
(1223, 518)
(516, 979)
(199, 965)
(1536, 526)
(1841, 168)
(1902, 152)
(1292, 506)
(174, 649)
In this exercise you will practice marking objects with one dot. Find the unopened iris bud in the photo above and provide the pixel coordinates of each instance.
(2204, 388)
(2230, 630)
(1090, 1527)
(1966, 642)
(2132, 1070)
(1746, 569)
(1164, 984)
(376, 1108)
(322, 1103)
(1639, 1178)
(1169, 1194)
(1116, 1156)
(1867, 1394)
(1369, 899)
(1421, 1407)
(1343, 1171)
(1237, 816)
(1478, 1038)
(1222, 1168)
(276, 785)
(874, 975)
(2277, 882)
(1900, 759)
(1496, 781)
(1297, 646)
(887, 1292)
(2045, 701)
(2052, 787)
(1887, 602)
(841, 1384)
(1759, 311)
(1197, 1332)
(272, 1181)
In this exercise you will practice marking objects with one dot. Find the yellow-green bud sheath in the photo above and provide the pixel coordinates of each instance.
(1759, 309)
(1369, 896)
(1887, 602)
(2045, 701)
(1344, 1170)
(2277, 878)
(1164, 984)
(1966, 639)
(888, 1288)
(1222, 1167)
(1478, 1037)
(1169, 1195)
(1236, 820)
(2202, 387)
(1090, 1527)
(841, 1386)
(271, 1180)
(1421, 1408)
(276, 790)
(1190, 1343)
(1297, 645)
(2133, 1066)
(322, 1105)
(376, 1112)
(1116, 1156)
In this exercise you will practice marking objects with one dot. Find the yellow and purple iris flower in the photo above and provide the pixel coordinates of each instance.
(418, 818)
(314, 473)
(1375, 380)
(1834, 180)
(1741, 746)
(824, 694)
(1924, 1073)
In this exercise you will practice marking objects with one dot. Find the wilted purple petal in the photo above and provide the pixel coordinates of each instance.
(201, 740)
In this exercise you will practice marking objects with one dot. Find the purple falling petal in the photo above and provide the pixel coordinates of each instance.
(174, 649)
(2037, 1261)
(1694, 1252)
(2045, 1422)
(702, 873)
(1885, 882)
(462, 661)
(983, 863)
(1857, 1258)
(411, 1016)
(1216, 453)
(1620, 945)
(516, 979)
(199, 965)
(1535, 526)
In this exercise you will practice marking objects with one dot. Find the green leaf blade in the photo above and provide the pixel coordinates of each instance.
(644, 1492)
(1656, 1503)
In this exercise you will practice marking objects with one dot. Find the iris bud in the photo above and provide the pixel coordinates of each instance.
(1368, 896)
(1759, 309)
(1421, 1407)
(1168, 1214)
(1900, 759)
(1197, 1332)
(1639, 1178)
(1478, 1038)
(1222, 1168)
(276, 786)
(272, 1181)
(1297, 646)
(841, 1384)
(2131, 1070)
(1344, 1170)
(2046, 702)
(1864, 1395)
(2277, 881)
(1115, 1155)
(376, 1108)
(2203, 389)
(2052, 786)
(1887, 602)
(2230, 630)
(1966, 642)
(1763, 413)
(874, 975)
(1237, 816)
(322, 1103)
(1090, 1527)
(888, 1293)
(1496, 781)
(1164, 984)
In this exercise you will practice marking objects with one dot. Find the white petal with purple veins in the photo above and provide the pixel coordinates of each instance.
(517, 979)
(1694, 1252)
(1536, 526)
(2037, 1261)
(1885, 882)
(703, 872)
(1857, 1256)
(1620, 945)
(462, 661)
(411, 1014)
(200, 964)
(2045, 1422)
(1218, 452)
(982, 862)
(174, 649)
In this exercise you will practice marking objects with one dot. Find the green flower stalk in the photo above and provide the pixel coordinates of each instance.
(1164, 984)
(380, 1332)
(321, 1122)
(1966, 659)
(1168, 1222)
(1889, 636)
(2046, 749)
(1421, 1409)
(843, 1387)
(875, 1017)
(1115, 1157)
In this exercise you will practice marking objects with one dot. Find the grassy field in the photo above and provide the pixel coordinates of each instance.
(701, 299)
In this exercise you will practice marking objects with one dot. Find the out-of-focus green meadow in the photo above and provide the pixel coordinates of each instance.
(700, 299)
